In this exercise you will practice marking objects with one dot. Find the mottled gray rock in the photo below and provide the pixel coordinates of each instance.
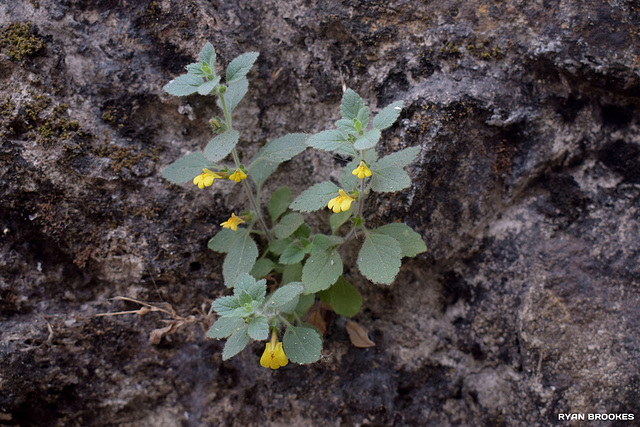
(527, 193)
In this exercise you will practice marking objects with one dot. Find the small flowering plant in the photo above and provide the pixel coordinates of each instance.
(304, 265)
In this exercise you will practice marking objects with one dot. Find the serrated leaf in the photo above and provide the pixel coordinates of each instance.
(278, 246)
(258, 328)
(220, 146)
(380, 258)
(208, 55)
(285, 294)
(236, 343)
(262, 267)
(291, 273)
(411, 243)
(292, 254)
(368, 140)
(303, 232)
(186, 84)
(234, 94)
(350, 105)
(315, 197)
(328, 140)
(240, 259)
(288, 224)
(346, 125)
(255, 290)
(266, 161)
(323, 242)
(347, 180)
(389, 180)
(321, 270)
(363, 116)
(196, 70)
(337, 219)
(240, 66)
(225, 326)
(224, 239)
(206, 87)
(302, 344)
(304, 304)
(186, 168)
(343, 297)
(387, 116)
(279, 203)
(400, 158)
(226, 306)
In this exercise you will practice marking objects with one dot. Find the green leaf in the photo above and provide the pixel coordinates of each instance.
(186, 84)
(368, 140)
(346, 125)
(234, 94)
(337, 219)
(380, 258)
(304, 304)
(236, 343)
(328, 140)
(206, 87)
(278, 246)
(239, 67)
(291, 273)
(288, 224)
(262, 267)
(363, 116)
(259, 328)
(266, 161)
(285, 294)
(196, 70)
(240, 259)
(315, 197)
(225, 326)
(226, 306)
(186, 168)
(293, 254)
(279, 203)
(351, 105)
(303, 232)
(246, 284)
(224, 239)
(220, 146)
(411, 243)
(321, 270)
(387, 116)
(208, 56)
(343, 297)
(302, 344)
(389, 179)
(399, 159)
(322, 242)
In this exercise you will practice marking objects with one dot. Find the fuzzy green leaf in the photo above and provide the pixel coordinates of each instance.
(322, 242)
(206, 87)
(380, 258)
(389, 180)
(234, 94)
(236, 343)
(411, 243)
(304, 304)
(363, 116)
(328, 140)
(240, 259)
(186, 84)
(288, 224)
(262, 267)
(292, 273)
(258, 328)
(279, 203)
(227, 306)
(278, 246)
(266, 161)
(302, 344)
(400, 158)
(285, 294)
(315, 197)
(224, 239)
(292, 254)
(220, 146)
(387, 116)
(343, 297)
(337, 219)
(208, 56)
(225, 326)
(346, 125)
(368, 140)
(186, 168)
(351, 105)
(321, 270)
(247, 285)
(239, 67)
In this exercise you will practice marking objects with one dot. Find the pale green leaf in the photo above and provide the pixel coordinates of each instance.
(346, 125)
(208, 56)
(186, 84)
(240, 66)
(343, 297)
(234, 94)
(285, 294)
(351, 105)
(363, 116)
(315, 197)
(288, 224)
(292, 254)
(258, 328)
(387, 116)
(302, 344)
(262, 267)
(337, 219)
(388, 180)
(247, 285)
(347, 180)
(206, 87)
(240, 259)
(323, 242)
(225, 326)
(304, 304)
(226, 306)
(224, 239)
(321, 270)
(411, 243)
(186, 168)
(220, 146)
(279, 203)
(399, 159)
(278, 246)
(236, 343)
(328, 140)
(267, 159)
(196, 70)
(380, 258)
(291, 273)
(368, 140)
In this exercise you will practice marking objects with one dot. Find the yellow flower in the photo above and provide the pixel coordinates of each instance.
(205, 179)
(238, 175)
(273, 356)
(361, 171)
(340, 203)
(232, 222)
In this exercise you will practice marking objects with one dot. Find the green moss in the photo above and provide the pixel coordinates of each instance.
(483, 50)
(20, 41)
(451, 49)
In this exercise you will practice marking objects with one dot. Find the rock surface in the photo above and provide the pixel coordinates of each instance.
(527, 193)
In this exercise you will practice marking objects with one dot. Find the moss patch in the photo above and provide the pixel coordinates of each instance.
(20, 40)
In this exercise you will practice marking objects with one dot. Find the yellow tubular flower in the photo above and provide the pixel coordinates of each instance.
(205, 179)
(232, 222)
(361, 171)
(273, 356)
(340, 203)
(238, 175)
